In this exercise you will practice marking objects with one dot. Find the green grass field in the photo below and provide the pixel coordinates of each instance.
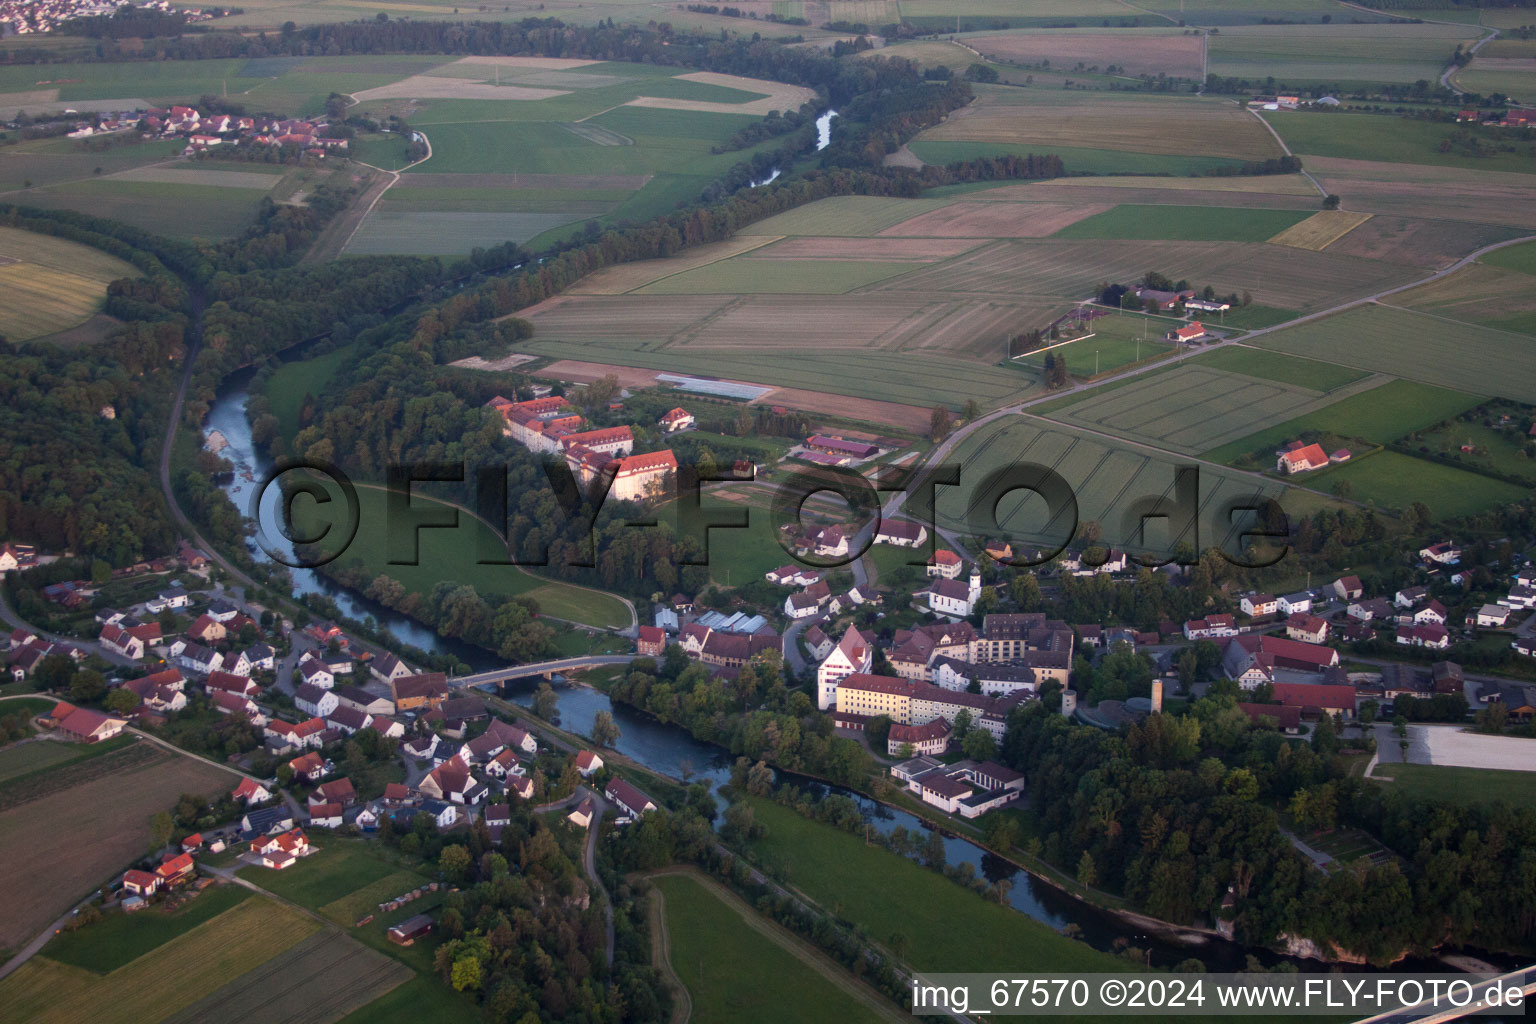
(1513, 257)
(735, 973)
(120, 938)
(1382, 414)
(340, 867)
(1386, 138)
(1448, 784)
(180, 211)
(1184, 223)
(454, 554)
(942, 927)
(291, 382)
(1395, 481)
(422, 1000)
(1478, 360)
(1102, 353)
(1499, 451)
(1301, 373)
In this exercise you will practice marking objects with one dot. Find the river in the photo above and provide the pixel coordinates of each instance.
(823, 140)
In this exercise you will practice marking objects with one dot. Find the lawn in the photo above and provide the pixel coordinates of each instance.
(1386, 138)
(1380, 415)
(1449, 784)
(454, 554)
(1302, 373)
(1104, 352)
(1185, 223)
(941, 926)
(734, 964)
(1395, 481)
(205, 958)
(1478, 360)
(120, 938)
(341, 867)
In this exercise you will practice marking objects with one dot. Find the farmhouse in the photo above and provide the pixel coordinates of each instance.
(839, 447)
(1286, 719)
(900, 533)
(1251, 660)
(1315, 699)
(83, 725)
(1301, 458)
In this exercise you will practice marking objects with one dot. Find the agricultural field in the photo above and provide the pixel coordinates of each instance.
(454, 554)
(1379, 415)
(1385, 137)
(733, 963)
(105, 804)
(524, 147)
(1301, 373)
(1337, 55)
(1185, 408)
(51, 284)
(144, 991)
(1046, 121)
(119, 938)
(1320, 230)
(1395, 481)
(43, 162)
(1480, 293)
(1513, 257)
(1513, 77)
(1427, 216)
(1110, 479)
(1185, 224)
(1167, 51)
(33, 755)
(1418, 346)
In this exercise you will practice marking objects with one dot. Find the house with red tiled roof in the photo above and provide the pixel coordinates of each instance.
(1191, 332)
(251, 792)
(1300, 458)
(651, 642)
(86, 726)
(337, 791)
(588, 763)
(140, 883)
(175, 870)
(675, 420)
(309, 767)
(945, 563)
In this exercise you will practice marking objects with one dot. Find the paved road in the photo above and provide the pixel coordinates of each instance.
(538, 668)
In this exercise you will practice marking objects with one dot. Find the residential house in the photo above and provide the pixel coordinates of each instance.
(945, 564)
(337, 791)
(1257, 605)
(1348, 588)
(1429, 635)
(1444, 553)
(520, 785)
(227, 703)
(310, 767)
(175, 870)
(1410, 596)
(348, 719)
(676, 420)
(1432, 614)
(817, 643)
(261, 657)
(315, 674)
(651, 642)
(1311, 629)
(1316, 699)
(901, 533)
(1301, 458)
(229, 682)
(140, 883)
(251, 792)
(1290, 604)
(424, 691)
(362, 700)
(630, 801)
(588, 763)
(206, 629)
(387, 668)
(1211, 627)
(1376, 609)
(581, 814)
(1493, 615)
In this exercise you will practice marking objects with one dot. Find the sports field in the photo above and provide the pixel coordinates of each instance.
(454, 555)
(51, 284)
(734, 963)
(1419, 346)
(1113, 345)
(1185, 223)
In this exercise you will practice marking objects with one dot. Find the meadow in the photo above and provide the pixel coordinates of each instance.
(1395, 481)
(940, 926)
(1301, 373)
(1500, 451)
(1511, 77)
(454, 555)
(51, 284)
(1383, 137)
(195, 209)
(1343, 55)
(1384, 339)
(1380, 415)
(734, 963)
(120, 938)
(1513, 257)
(1185, 223)
(22, 758)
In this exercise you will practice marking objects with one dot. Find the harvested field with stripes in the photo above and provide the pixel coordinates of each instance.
(1418, 346)
(1108, 477)
(915, 250)
(995, 220)
(1320, 230)
(1419, 242)
(1477, 293)
(1190, 408)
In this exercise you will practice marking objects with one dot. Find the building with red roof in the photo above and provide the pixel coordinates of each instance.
(651, 642)
(1300, 458)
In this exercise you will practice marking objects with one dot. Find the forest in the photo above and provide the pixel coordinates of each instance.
(1175, 811)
